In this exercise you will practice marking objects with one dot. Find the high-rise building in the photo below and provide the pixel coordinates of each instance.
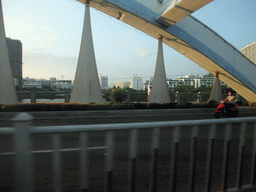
(136, 83)
(103, 81)
(250, 52)
(15, 55)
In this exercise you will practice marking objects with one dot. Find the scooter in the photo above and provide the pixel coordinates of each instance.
(223, 111)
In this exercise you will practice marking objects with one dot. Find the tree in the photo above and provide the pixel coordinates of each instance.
(209, 75)
(203, 88)
(118, 96)
(184, 89)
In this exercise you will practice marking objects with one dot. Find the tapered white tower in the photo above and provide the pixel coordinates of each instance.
(160, 92)
(7, 87)
(86, 87)
(216, 93)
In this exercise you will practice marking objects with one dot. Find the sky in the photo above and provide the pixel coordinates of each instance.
(51, 30)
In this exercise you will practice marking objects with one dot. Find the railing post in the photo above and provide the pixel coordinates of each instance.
(241, 155)
(253, 168)
(154, 159)
(200, 97)
(67, 96)
(192, 164)
(57, 170)
(109, 161)
(23, 158)
(177, 97)
(128, 97)
(133, 160)
(84, 163)
(226, 156)
(33, 96)
(210, 157)
(174, 159)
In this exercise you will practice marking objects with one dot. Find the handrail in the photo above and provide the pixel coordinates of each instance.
(126, 126)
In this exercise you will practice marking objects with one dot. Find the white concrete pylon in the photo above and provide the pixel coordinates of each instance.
(7, 87)
(216, 93)
(86, 87)
(160, 92)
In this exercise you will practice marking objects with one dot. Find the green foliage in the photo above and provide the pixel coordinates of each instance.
(192, 89)
(106, 94)
(184, 89)
(203, 89)
(209, 75)
(118, 96)
(90, 107)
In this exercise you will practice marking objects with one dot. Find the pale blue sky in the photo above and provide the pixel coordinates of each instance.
(50, 31)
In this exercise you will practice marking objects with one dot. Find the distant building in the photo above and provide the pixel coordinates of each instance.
(186, 80)
(123, 84)
(205, 81)
(192, 80)
(53, 83)
(103, 81)
(32, 83)
(136, 83)
(53, 79)
(173, 83)
(250, 52)
(145, 85)
(61, 84)
(15, 55)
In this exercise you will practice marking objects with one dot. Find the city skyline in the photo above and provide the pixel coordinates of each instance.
(51, 38)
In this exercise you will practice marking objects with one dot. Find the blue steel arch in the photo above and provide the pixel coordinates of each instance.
(189, 37)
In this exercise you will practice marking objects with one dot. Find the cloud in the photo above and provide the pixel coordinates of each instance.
(33, 37)
(142, 53)
(41, 65)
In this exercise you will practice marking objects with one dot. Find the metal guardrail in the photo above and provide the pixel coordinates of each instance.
(23, 131)
(131, 96)
(34, 95)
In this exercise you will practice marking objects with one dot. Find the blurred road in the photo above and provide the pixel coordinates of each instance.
(129, 116)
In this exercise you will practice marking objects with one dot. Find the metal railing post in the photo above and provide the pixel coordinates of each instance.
(133, 160)
(57, 169)
(192, 163)
(33, 96)
(109, 161)
(200, 97)
(177, 97)
(84, 163)
(241, 155)
(174, 159)
(67, 96)
(226, 156)
(154, 159)
(23, 157)
(253, 167)
(128, 97)
(211, 143)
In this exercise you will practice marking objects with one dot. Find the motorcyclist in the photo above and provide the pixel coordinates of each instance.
(230, 100)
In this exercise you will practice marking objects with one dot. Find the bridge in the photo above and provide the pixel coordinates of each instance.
(177, 28)
(188, 36)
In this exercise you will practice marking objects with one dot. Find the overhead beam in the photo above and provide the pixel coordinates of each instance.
(179, 9)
